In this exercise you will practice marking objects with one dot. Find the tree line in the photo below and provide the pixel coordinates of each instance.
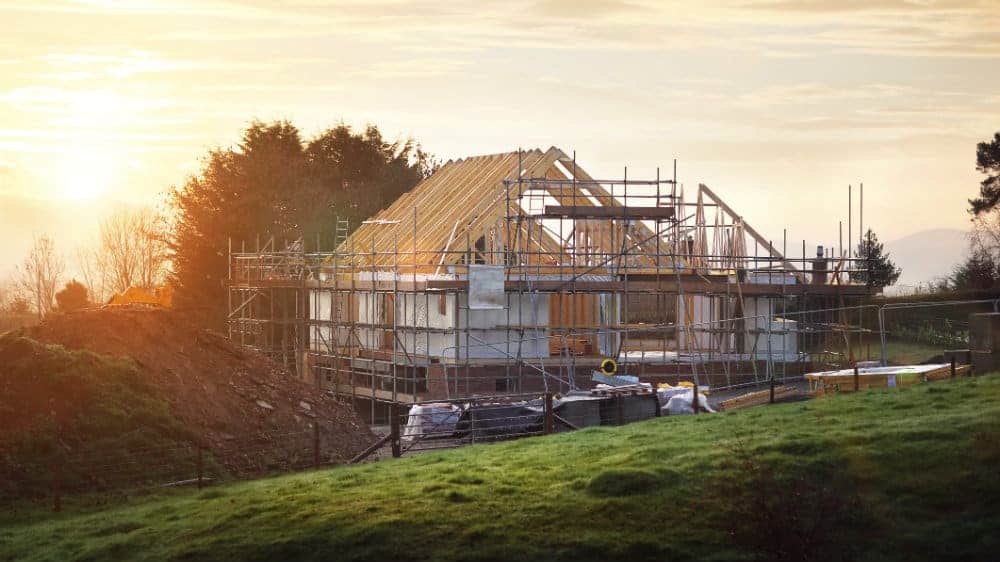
(130, 251)
(981, 269)
(273, 182)
(276, 182)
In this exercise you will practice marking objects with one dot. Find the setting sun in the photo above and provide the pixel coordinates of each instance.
(86, 173)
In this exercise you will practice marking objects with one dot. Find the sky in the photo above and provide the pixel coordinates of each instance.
(777, 105)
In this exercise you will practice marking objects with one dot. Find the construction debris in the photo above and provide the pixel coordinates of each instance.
(683, 404)
(431, 419)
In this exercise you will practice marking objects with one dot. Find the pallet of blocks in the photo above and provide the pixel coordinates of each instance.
(758, 398)
(627, 390)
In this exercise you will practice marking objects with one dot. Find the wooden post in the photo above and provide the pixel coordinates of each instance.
(953, 370)
(772, 388)
(397, 450)
(549, 423)
(56, 474)
(472, 412)
(56, 489)
(857, 379)
(201, 466)
(694, 398)
(316, 444)
(371, 449)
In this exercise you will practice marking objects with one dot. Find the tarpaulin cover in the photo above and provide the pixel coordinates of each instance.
(681, 404)
(431, 420)
(500, 419)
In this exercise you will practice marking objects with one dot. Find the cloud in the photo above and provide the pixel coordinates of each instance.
(820, 93)
(772, 28)
(581, 9)
(149, 8)
(855, 6)
(888, 27)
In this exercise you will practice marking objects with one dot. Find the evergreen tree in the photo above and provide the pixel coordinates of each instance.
(72, 297)
(987, 162)
(873, 266)
(980, 271)
(276, 184)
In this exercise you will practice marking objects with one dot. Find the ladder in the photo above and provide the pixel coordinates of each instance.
(341, 229)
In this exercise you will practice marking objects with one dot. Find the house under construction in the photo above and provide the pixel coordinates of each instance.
(519, 272)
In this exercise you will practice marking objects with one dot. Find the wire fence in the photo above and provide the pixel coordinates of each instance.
(105, 470)
(102, 472)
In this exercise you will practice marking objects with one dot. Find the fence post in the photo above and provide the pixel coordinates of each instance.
(883, 358)
(695, 406)
(857, 379)
(953, 370)
(394, 430)
(772, 388)
(56, 489)
(201, 466)
(548, 424)
(316, 444)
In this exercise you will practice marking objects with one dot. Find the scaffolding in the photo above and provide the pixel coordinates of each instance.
(519, 273)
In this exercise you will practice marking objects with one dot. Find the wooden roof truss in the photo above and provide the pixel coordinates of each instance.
(480, 209)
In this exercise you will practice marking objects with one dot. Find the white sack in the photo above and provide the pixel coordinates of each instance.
(681, 404)
(431, 420)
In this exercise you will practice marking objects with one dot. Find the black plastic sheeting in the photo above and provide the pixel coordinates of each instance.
(497, 420)
(511, 420)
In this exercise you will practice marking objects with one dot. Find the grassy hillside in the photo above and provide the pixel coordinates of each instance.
(117, 397)
(59, 406)
(898, 474)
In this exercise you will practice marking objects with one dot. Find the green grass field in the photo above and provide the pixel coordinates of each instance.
(900, 474)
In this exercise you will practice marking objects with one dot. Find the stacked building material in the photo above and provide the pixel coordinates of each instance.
(758, 398)
(849, 380)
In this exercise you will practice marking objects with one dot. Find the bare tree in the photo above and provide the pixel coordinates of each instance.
(153, 249)
(10, 298)
(985, 235)
(40, 274)
(6, 294)
(133, 251)
(88, 261)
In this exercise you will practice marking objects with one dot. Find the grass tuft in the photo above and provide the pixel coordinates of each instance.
(614, 483)
(457, 497)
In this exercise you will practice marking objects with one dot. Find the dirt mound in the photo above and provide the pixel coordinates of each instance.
(224, 396)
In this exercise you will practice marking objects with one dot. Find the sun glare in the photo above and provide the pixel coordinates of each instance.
(86, 173)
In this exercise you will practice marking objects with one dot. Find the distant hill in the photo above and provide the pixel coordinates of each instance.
(928, 255)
